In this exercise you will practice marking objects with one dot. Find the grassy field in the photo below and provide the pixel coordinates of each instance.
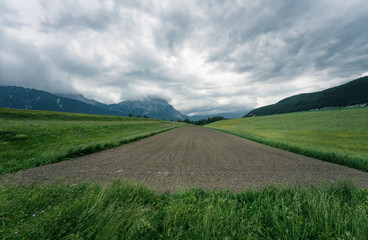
(124, 210)
(121, 210)
(339, 136)
(34, 138)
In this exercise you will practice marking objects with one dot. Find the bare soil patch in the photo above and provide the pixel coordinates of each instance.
(193, 157)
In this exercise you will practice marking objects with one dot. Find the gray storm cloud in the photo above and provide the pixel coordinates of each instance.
(202, 56)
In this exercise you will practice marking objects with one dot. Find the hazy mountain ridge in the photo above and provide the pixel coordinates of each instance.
(24, 98)
(81, 98)
(351, 93)
(227, 115)
(150, 106)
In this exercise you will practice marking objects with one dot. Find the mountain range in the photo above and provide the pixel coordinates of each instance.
(24, 98)
(351, 93)
(150, 106)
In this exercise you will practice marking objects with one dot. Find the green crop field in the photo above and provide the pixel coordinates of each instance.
(339, 136)
(34, 138)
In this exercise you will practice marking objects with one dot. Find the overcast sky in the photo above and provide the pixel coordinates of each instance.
(202, 56)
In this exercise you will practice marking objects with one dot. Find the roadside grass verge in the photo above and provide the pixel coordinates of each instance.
(122, 210)
(338, 136)
(33, 138)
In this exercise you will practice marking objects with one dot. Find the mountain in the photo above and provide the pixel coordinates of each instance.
(227, 115)
(81, 98)
(150, 106)
(351, 93)
(24, 98)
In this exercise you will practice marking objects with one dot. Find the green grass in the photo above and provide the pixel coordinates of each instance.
(339, 136)
(121, 210)
(34, 138)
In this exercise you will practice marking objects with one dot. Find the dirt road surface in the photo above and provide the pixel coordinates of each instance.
(193, 157)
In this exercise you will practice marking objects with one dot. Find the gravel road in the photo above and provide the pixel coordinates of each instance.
(193, 157)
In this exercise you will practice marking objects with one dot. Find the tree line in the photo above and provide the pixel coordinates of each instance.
(203, 121)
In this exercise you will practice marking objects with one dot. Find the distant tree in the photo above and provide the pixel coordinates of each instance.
(187, 121)
(130, 115)
(145, 116)
(138, 116)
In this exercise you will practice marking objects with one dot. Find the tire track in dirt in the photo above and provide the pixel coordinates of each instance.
(193, 157)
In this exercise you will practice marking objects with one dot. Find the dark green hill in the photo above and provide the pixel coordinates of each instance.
(24, 98)
(351, 93)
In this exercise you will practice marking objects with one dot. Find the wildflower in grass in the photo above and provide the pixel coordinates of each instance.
(33, 215)
(43, 211)
(16, 233)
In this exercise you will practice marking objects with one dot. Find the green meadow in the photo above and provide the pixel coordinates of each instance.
(34, 138)
(339, 136)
